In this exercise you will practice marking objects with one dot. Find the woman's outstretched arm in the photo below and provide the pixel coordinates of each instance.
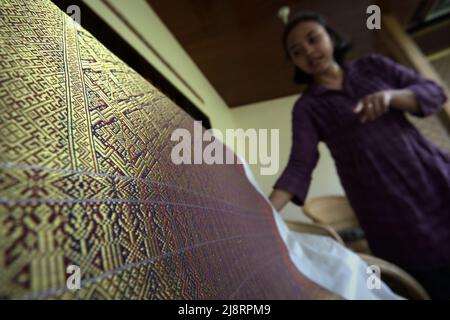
(293, 184)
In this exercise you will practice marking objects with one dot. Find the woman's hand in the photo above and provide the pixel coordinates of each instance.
(279, 198)
(373, 105)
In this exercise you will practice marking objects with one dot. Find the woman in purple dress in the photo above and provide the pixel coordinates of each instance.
(397, 182)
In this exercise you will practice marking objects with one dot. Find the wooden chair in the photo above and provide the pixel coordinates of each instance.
(314, 228)
(396, 278)
(336, 212)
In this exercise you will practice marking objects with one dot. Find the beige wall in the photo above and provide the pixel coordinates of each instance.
(276, 114)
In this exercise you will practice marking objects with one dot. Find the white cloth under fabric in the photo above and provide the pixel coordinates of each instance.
(327, 262)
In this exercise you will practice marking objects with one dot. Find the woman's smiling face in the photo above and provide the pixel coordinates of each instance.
(310, 47)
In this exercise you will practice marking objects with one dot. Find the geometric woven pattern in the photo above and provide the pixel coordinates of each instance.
(432, 126)
(86, 179)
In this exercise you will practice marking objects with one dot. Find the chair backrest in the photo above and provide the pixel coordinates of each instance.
(397, 279)
(334, 211)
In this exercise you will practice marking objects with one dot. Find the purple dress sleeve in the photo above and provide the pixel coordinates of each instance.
(430, 96)
(296, 177)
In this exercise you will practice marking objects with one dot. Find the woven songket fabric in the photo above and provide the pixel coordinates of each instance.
(86, 179)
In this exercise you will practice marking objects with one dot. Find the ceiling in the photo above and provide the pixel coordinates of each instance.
(237, 44)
